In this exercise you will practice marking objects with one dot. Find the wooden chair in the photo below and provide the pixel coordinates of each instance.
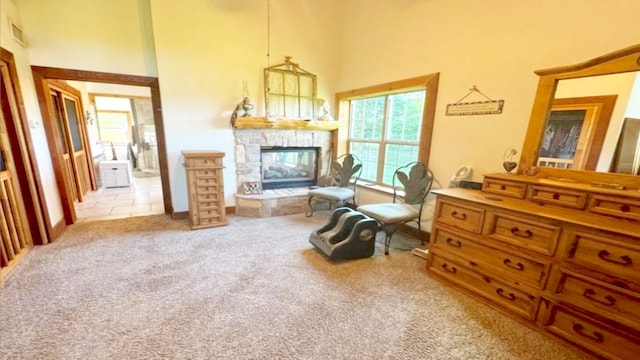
(345, 172)
(409, 194)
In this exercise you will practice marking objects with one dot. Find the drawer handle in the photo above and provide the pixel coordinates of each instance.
(590, 294)
(502, 187)
(517, 266)
(509, 296)
(453, 269)
(580, 330)
(517, 232)
(114, 168)
(625, 208)
(454, 243)
(556, 196)
(459, 216)
(626, 260)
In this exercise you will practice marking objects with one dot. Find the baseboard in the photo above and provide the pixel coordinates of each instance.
(57, 230)
(230, 209)
(180, 215)
(414, 232)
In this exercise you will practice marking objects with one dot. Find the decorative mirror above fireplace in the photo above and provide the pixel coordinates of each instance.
(621, 67)
(289, 91)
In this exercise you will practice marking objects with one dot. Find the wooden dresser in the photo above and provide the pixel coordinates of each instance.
(205, 188)
(561, 256)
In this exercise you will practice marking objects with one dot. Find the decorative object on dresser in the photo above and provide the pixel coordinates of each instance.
(557, 249)
(205, 188)
(507, 161)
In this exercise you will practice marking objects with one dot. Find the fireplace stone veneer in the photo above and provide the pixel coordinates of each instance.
(248, 144)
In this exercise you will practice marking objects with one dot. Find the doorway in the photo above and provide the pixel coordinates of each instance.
(44, 76)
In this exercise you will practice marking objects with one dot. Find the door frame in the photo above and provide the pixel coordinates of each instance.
(66, 91)
(41, 77)
(25, 160)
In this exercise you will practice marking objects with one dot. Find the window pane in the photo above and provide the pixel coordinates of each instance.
(367, 117)
(396, 156)
(405, 115)
(368, 155)
(72, 118)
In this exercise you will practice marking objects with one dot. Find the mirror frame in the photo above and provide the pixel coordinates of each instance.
(624, 60)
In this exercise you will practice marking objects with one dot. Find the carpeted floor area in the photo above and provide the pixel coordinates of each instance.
(151, 288)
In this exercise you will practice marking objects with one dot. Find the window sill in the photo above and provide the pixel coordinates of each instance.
(372, 186)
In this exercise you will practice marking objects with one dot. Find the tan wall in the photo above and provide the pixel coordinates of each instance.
(205, 51)
(494, 44)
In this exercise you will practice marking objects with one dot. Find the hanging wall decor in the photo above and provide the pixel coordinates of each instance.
(488, 106)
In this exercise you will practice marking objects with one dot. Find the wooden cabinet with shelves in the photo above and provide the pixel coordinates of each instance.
(546, 257)
(205, 188)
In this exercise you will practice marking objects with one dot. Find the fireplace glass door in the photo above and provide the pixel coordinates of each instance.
(289, 167)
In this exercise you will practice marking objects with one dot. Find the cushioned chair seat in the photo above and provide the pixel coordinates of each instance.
(389, 213)
(334, 193)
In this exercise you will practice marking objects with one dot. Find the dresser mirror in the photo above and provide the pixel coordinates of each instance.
(585, 124)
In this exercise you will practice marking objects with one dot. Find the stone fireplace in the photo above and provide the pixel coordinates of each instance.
(277, 200)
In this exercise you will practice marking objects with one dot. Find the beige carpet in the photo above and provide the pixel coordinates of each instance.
(151, 288)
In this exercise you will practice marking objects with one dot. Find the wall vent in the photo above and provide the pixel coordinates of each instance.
(17, 33)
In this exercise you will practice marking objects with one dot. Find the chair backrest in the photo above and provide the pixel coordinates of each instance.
(413, 187)
(346, 170)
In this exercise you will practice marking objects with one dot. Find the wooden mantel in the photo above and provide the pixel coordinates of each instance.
(285, 124)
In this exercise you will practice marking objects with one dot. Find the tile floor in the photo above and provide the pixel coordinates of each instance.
(143, 198)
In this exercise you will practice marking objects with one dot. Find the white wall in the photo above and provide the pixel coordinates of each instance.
(493, 44)
(207, 49)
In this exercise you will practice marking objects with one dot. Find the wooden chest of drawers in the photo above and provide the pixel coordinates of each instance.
(205, 188)
(560, 258)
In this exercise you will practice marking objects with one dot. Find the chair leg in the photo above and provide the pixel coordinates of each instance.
(389, 230)
(310, 213)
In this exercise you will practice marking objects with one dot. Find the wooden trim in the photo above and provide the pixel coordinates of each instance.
(287, 124)
(57, 230)
(63, 181)
(612, 56)
(42, 74)
(428, 82)
(92, 96)
(230, 210)
(33, 192)
(180, 215)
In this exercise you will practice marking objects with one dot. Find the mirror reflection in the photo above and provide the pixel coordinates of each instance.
(594, 124)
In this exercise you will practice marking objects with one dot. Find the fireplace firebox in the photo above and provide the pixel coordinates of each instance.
(289, 167)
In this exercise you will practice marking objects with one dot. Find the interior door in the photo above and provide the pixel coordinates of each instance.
(73, 142)
(16, 239)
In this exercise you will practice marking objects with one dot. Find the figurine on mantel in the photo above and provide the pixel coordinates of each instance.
(324, 114)
(244, 108)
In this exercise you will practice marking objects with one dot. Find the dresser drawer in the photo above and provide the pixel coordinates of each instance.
(503, 187)
(515, 300)
(526, 233)
(590, 334)
(464, 217)
(600, 298)
(206, 180)
(492, 260)
(557, 196)
(613, 206)
(208, 162)
(207, 190)
(610, 254)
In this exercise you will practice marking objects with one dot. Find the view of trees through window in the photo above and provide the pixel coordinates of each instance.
(385, 132)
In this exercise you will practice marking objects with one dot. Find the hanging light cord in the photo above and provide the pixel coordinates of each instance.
(268, 32)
